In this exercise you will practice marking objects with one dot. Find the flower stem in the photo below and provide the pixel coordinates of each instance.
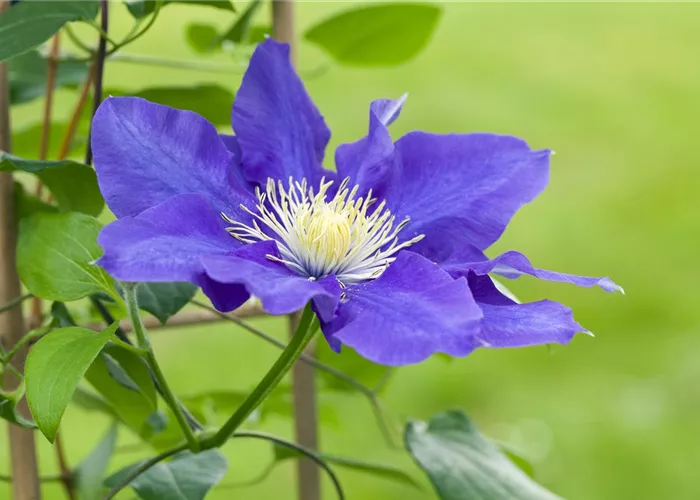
(145, 344)
(301, 338)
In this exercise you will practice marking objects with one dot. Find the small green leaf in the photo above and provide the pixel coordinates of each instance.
(54, 367)
(89, 401)
(30, 23)
(381, 470)
(377, 35)
(133, 408)
(28, 74)
(89, 475)
(187, 476)
(60, 313)
(164, 300)
(142, 8)
(211, 101)
(130, 370)
(461, 463)
(202, 37)
(238, 32)
(56, 255)
(8, 409)
(73, 185)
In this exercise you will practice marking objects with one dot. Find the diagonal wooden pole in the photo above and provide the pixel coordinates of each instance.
(25, 484)
(303, 383)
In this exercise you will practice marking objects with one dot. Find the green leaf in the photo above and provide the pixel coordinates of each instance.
(133, 408)
(461, 463)
(377, 35)
(211, 101)
(27, 204)
(30, 23)
(56, 255)
(142, 8)
(55, 365)
(90, 473)
(73, 185)
(202, 37)
(164, 300)
(187, 476)
(118, 373)
(238, 32)
(60, 313)
(8, 409)
(89, 401)
(130, 370)
(381, 470)
(518, 459)
(28, 73)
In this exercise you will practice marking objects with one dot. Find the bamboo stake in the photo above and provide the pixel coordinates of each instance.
(25, 477)
(303, 376)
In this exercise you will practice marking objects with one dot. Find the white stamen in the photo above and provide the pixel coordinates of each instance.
(316, 238)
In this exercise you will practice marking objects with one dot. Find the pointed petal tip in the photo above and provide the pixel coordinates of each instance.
(610, 286)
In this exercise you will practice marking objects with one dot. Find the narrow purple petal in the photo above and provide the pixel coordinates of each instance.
(521, 325)
(145, 153)
(368, 161)
(508, 324)
(280, 290)
(279, 130)
(165, 243)
(413, 310)
(462, 189)
(514, 264)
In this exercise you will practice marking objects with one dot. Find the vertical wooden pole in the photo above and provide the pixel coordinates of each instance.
(25, 485)
(303, 383)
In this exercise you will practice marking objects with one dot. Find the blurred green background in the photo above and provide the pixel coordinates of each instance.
(613, 88)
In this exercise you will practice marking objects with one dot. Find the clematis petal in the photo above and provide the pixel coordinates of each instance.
(514, 264)
(368, 161)
(279, 129)
(280, 290)
(507, 324)
(462, 189)
(164, 243)
(231, 143)
(532, 323)
(414, 309)
(145, 153)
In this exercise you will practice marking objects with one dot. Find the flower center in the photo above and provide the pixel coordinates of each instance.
(316, 237)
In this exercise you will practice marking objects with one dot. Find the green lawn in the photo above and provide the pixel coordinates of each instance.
(613, 88)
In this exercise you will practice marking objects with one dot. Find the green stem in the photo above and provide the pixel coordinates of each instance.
(302, 336)
(370, 394)
(145, 345)
(24, 341)
(15, 302)
(77, 41)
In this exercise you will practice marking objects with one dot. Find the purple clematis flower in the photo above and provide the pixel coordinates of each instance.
(389, 249)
